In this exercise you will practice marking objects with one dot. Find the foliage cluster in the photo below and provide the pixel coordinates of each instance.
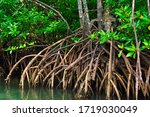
(22, 24)
(124, 32)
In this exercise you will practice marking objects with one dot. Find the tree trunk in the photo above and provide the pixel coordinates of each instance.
(86, 17)
(81, 16)
(99, 13)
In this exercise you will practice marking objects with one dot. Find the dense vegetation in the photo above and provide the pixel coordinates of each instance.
(86, 45)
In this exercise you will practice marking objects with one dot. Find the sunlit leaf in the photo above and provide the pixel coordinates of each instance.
(121, 46)
(120, 53)
(148, 27)
(130, 54)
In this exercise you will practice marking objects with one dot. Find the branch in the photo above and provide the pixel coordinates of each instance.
(42, 4)
(138, 64)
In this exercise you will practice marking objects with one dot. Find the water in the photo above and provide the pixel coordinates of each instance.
(13, 92)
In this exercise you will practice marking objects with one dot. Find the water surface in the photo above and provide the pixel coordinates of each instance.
(13, 92)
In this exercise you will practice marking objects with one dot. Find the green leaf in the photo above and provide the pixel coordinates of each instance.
(148, 27)
(120, 53)
(93, 36)
(24, 35)
(102, 40)
(142, 47)
(102, 32)
(134, 55)
(121, 46)
(31, 43)
(21, 46)
(10, 51)
(130, 48)
(124, 26)
(130, 54)
(145, 42)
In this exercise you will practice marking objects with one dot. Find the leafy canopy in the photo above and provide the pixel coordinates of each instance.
(22, 24)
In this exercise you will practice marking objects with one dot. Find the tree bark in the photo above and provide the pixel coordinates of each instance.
(86, 17)
(99, 13)
(80, 10)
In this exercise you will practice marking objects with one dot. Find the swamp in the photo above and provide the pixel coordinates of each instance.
(74, 49)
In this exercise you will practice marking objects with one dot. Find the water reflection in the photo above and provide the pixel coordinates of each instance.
(45, 94)
(13, 92)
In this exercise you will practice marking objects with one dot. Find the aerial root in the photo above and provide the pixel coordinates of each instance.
(84, 66)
